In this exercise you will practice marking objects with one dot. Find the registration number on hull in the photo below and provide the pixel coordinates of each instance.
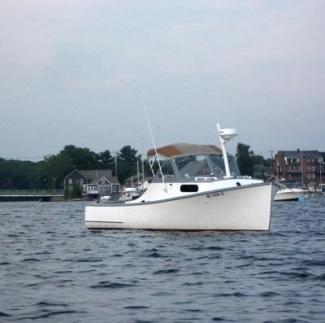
(215, 194)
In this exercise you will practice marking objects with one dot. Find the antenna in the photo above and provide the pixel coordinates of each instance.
(225, 135)
(154, 145)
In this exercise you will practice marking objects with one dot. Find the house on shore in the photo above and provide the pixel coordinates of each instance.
(303, 168)
(92, 183)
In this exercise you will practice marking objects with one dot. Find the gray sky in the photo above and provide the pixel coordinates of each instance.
(81, 71)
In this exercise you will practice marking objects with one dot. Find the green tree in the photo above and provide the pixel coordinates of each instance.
(105, 160)
(74, 193)
(55, 168)
(82, 158)
(251, 164)
(245, 159)
(18, 174)
(127, 163)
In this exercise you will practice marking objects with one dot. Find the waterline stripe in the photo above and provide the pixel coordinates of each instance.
(104, 221)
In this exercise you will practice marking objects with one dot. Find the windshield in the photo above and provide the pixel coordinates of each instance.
(234, 170)
(219, 166)
(167, 168)
(191, 166)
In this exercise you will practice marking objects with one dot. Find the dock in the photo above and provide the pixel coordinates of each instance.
(25, 196)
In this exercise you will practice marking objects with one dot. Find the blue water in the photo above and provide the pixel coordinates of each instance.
(52, 269)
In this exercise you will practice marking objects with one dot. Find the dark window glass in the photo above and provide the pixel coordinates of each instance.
(167, 168)
(189, 188)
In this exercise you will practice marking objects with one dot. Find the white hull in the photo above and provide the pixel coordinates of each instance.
(288, 194)
(239, 208)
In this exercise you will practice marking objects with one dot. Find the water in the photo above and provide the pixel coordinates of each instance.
(53, 269)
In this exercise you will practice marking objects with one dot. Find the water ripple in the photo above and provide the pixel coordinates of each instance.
(113, 285)
(166, 271)
(53, 269)
(48, 313)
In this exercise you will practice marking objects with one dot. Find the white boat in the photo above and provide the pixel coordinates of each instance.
(198, 188)
(290, 194)
(105, 198)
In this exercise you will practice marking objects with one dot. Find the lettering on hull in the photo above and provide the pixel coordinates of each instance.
(215, 194)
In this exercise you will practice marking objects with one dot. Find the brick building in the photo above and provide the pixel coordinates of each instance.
(303, 168)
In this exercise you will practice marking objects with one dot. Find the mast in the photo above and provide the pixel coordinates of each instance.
(138, 172)
(155, 148)
(142, 164)
(302, 171)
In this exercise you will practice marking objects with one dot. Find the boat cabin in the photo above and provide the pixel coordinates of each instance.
(186, 162)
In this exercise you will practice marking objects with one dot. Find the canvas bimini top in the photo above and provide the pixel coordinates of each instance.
(180, 149)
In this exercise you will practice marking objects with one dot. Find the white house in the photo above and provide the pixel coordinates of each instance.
(93, 183)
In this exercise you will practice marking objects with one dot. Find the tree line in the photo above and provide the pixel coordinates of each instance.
(49, 173)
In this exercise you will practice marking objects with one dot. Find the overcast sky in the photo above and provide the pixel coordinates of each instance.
(81, 71)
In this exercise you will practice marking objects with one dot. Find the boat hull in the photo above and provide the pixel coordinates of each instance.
(240, 208)
(290, 195)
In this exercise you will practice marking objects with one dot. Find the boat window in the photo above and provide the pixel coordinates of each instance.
(193, 165)
(167, 168)
(233, 167)
(189, 188)
(218, 166)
